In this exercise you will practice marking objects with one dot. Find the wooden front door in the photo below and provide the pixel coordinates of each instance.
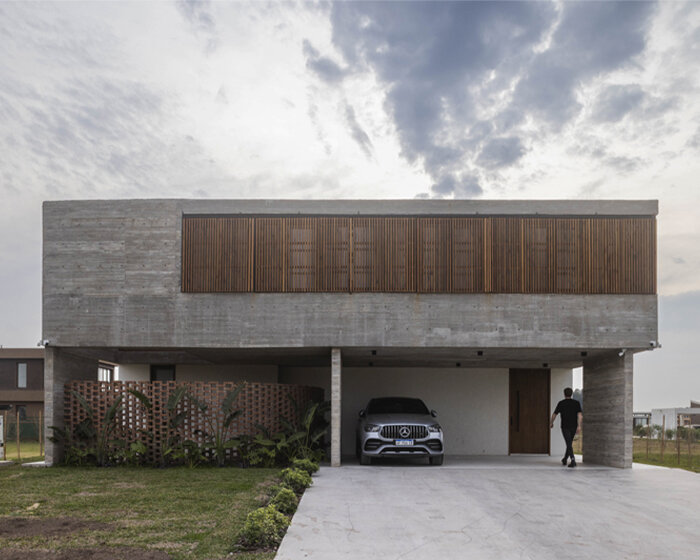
(529, 411)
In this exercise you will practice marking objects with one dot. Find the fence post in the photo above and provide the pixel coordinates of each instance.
(663, 437)
(41, 438)
(19, 457)
(648, 436)
(678, 438)
(689, 433)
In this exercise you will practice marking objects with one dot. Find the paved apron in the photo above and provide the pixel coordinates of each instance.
(496, 508)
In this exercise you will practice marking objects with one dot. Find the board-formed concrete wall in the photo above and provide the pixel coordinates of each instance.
(111, 278)
(607, 410)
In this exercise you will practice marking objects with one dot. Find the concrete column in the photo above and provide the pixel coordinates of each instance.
(607, 410)
(60, 366)
(336, 382)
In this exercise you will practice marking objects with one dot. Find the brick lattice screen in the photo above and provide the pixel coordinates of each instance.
(261, 404)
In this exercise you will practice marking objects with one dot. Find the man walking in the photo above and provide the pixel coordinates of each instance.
(571, 417)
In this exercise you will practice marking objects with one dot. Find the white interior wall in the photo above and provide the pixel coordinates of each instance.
(252, 373)
(560, 379)
(187, 372)
(134, 372)
(472, 404)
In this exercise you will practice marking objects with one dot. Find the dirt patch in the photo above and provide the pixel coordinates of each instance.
(85, 554)
(17, 527)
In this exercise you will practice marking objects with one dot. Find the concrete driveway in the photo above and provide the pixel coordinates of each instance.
(496, 508)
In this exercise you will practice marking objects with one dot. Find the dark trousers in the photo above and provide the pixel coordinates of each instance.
(569, 438)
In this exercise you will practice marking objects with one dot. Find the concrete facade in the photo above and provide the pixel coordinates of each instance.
(112, 291)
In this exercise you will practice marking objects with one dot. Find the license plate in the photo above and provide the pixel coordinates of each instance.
(403, 442)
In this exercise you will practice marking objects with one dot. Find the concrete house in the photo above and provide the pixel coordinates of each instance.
(480, 308)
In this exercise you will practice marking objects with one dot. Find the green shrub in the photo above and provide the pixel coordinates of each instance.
(285, 501)
(296, 480)
(263, 528)
(306, 465)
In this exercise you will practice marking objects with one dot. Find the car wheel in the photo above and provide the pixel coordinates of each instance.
(365, 460)
(437, 461)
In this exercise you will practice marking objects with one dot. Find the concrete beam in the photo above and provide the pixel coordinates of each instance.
(336, 409)
(607, 410)
(60, 366)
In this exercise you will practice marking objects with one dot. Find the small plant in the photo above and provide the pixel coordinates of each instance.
(285, 501)
(296, 480)
(306, 465)
(263, 528)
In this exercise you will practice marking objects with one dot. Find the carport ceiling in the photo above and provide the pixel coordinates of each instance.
(352, 357)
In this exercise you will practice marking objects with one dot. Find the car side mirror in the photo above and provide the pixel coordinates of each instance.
(363, 413)
(433, 413)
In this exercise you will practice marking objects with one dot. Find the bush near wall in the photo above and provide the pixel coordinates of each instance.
(161, 422)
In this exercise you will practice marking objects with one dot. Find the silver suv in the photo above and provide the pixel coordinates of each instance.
(398, 427)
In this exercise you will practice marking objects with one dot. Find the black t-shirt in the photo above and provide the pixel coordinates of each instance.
(569, 409)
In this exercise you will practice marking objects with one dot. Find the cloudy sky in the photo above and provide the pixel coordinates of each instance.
(357, 100)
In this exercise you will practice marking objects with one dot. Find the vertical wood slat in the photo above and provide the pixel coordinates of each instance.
(420, 254)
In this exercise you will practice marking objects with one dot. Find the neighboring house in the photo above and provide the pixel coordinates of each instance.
(671, 418)
(22, 381)
(480, 308)
(641, 419)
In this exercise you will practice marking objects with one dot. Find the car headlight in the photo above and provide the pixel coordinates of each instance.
(434, 428)
(371, 428)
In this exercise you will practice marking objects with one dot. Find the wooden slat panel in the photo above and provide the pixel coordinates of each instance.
(434, 254)
(218, 254)
(467, 267)
(601, 255)
(334, 255)
(269, 255)
(506, 255)
(538, 255)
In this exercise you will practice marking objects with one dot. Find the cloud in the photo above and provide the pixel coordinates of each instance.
(463, 79)
(592, 38)
(616, 101)
(322, 66)
(501, 152)
(429, 56)
(358, 134)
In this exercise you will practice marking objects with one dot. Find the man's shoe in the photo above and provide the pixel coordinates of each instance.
(572, 464)
(563, 461)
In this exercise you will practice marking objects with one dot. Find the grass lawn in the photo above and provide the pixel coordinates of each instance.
(29, 451)
(187, 513)
(690, 462)
(654, 458)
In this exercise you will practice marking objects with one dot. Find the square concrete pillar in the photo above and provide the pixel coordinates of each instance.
(607, 410)
(60, 366)
(336, 382)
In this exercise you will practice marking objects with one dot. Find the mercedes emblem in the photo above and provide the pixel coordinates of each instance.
(404, 431)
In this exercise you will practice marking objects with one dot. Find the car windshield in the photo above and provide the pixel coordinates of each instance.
(393, 405)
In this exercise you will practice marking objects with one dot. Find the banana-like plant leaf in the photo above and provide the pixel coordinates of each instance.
(84, 404)
(143, 399)
(231, 398)
(176, 397)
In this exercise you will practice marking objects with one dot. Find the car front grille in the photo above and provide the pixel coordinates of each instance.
(392, 432)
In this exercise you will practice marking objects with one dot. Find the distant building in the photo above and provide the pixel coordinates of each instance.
(22, 381)
(641, 419)
(671, 418)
